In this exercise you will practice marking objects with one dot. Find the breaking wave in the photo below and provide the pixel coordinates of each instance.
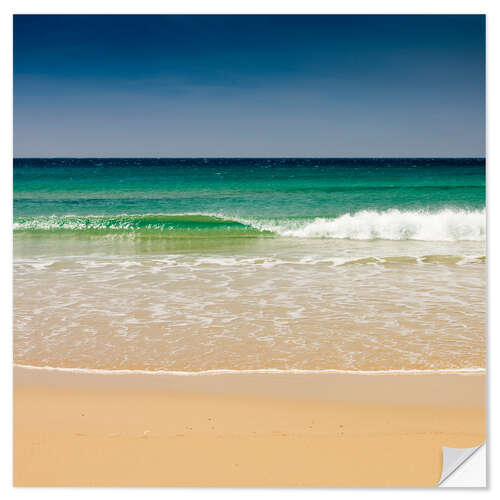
(444, 225)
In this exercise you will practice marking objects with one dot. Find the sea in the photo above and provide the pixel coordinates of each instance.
(211, 265)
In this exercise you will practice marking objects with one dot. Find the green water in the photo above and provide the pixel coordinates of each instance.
(224, 198)
(201, 265)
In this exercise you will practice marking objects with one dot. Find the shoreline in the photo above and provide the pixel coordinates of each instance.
(293, 371)
(267, 429)
(457, 388)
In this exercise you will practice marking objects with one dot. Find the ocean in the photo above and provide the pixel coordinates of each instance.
(201, 265)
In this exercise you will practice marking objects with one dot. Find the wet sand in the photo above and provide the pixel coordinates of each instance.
(323, 429)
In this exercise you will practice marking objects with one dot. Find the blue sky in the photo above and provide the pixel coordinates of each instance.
(342, 86)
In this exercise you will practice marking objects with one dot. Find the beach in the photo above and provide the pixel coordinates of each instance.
(247, 322)
(248, 251)
(269, 429)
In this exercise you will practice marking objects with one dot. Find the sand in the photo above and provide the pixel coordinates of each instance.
(78, 429)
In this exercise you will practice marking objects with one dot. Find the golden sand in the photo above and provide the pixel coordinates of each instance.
(240, 430)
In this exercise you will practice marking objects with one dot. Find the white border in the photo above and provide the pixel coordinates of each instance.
(251, 7)
(256, 6)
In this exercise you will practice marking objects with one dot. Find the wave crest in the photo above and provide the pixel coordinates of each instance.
(394, 224)
(445, 225)
(175, 224)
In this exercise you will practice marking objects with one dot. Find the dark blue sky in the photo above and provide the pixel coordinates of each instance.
(249, 85)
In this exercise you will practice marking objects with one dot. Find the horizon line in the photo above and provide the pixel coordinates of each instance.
(247, 157)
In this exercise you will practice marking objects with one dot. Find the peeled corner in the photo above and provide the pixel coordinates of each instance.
(464, 467)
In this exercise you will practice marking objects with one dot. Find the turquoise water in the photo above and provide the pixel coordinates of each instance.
(220, 198)
(199, 265)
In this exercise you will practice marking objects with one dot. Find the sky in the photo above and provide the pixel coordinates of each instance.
(249, 86)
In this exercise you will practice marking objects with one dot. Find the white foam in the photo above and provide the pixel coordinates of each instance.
(444, 225)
